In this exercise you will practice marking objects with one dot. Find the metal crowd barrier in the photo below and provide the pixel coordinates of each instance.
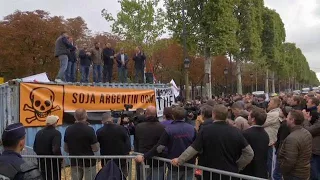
(84, 167)
(53, 167)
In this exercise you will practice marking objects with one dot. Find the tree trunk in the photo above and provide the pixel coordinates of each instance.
(256, 80)
(207, 71)
(239, 82)
(231, 73)
(273, 82)
(266, 87)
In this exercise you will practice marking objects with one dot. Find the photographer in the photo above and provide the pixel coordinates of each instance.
(192, 113)
(129, 126)
(139, 116)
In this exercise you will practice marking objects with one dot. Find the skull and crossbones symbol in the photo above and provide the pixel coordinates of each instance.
(42, 100)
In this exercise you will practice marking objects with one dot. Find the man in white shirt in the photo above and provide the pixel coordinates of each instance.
(122, 60)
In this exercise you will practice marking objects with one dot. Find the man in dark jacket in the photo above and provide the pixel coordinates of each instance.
(258, 139)
(147, 135)
(312, 104)
(48, 142)
(85, 62)
(177, 137)
(122, 60)
(224, 146)
(206, 113)
(108, 57)
(139, 64)
(296, 150)
(72, 64)
(314, 129)
(62, 48)
(113, 140)
(296, 103)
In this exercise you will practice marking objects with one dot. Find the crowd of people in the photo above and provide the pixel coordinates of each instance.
(100, 59)
(275, 138)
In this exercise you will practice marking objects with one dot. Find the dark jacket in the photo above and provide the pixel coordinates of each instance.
(139, 60)
(314, 129)
(107, 53)
(297, 107)
(313, 113)
(176, 138)
(126, 60)
(62, 46)
(85, 60)
(282, 134)
(14, 167)
(295, 153)
(258, 139)
(113, 140)
(47, 142)
(147, 135)
(205, 123)
(72, 57)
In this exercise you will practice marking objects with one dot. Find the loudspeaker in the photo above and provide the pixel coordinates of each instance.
(149, 78)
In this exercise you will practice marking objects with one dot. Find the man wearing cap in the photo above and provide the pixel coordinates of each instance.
(12, 165)
(48, 142)
(113, 140)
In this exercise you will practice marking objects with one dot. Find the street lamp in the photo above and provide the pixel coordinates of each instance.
(251, 77)
(225, 72)
(186, 63)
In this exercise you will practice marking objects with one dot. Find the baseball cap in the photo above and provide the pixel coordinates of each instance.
(52, 119)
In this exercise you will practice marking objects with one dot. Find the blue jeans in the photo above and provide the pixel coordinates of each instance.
(63, 67)
(71, 72)
(155, 173)
(139, 75)
(122, 73)
(182, 175)
(276, 172)
(315, 167)
(270, 162)
(97, 73)
(85, 74)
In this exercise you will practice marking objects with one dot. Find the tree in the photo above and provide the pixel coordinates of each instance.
(140, 22)
(211, 28)
(273, 37)
(248, 36)
(26, 50)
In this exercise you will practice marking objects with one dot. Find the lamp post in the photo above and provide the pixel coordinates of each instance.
(186, 70)
(186, 61)
(225, 72)
(251, 77)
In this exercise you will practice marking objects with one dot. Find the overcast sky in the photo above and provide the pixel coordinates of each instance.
(301, 18)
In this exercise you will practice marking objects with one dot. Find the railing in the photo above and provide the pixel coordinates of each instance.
(54, 167)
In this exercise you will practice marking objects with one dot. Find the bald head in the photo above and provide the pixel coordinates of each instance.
(151, 111)
(80, 115)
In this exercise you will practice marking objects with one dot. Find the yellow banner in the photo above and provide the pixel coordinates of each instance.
(37, 101)
(1, 80)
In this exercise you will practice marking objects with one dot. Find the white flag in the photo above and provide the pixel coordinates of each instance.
(175, 89)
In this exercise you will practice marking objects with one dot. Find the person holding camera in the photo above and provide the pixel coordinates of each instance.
(108, 58)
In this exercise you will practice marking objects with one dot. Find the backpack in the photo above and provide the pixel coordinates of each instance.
(110, 172)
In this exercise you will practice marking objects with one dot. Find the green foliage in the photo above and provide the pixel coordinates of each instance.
(139, 21)
(211, 25)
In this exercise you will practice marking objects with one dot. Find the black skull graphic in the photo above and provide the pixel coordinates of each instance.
(42, 100)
